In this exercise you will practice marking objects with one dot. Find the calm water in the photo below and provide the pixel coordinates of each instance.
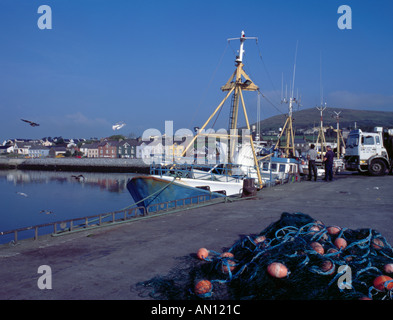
(30, 198)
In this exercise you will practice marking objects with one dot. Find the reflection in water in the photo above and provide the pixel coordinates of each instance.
(112, 182)
(30, 198)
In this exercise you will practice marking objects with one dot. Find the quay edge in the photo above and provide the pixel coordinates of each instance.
(75, 164)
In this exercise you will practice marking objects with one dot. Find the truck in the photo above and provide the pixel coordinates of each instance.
(370, 152)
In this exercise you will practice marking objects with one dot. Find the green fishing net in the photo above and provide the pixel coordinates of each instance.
(311, 265)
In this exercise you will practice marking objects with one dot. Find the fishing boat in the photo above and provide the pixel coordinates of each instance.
(154, 193)
(276, 169)
(237, 170)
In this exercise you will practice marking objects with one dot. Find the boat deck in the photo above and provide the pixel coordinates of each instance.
(107, 263)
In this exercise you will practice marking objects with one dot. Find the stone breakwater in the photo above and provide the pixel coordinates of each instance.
(75, 164)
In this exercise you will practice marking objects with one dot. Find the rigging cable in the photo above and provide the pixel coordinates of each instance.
(266, 70)
(271, 82)
(270, 102)
(208, 86)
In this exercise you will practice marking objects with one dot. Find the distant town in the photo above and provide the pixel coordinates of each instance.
(119, 146)
(113, 147)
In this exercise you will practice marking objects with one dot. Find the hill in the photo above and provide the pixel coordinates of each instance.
(308, 118)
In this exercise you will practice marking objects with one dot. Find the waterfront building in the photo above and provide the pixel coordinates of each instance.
(38, 151)
(128, 148)
(107, 149)
(89, 150)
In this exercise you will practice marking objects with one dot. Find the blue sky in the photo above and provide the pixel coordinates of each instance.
(145, 62)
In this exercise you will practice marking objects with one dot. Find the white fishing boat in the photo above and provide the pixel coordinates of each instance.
(238, 161)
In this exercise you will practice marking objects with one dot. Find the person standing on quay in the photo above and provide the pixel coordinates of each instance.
(328, 159)
(311, 157)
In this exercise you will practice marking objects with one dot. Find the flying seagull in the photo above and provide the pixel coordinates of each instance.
(118, 125)
(46, 211)
(79, 177)
(33, 124)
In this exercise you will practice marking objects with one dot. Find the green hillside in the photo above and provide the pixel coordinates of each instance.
(307, 118)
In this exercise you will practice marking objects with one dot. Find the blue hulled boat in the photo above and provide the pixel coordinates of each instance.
(154, 193)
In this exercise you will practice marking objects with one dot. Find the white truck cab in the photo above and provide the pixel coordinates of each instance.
(366, 151)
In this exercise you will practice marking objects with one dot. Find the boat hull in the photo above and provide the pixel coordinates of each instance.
(155, 193)
(230, 188)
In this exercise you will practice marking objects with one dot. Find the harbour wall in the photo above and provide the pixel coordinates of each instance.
(76, 164)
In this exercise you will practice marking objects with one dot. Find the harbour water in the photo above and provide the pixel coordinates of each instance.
(30, 198)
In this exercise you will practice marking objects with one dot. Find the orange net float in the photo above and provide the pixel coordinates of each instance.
(333, 253)
(228, 255)
(227, 263)
(313, 229)
(377, 244)
(317, 247)
(388, 268)
(325, 267)
(333, 230)
(328, 267)
(202, 253)
(277, 270)
(383, 282)
(228, 266)
(259, 239)
(340, 243)
(203, 288)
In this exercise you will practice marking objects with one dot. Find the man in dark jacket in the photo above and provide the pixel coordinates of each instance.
(328, 159)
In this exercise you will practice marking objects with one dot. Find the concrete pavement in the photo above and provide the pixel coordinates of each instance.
(107, 263)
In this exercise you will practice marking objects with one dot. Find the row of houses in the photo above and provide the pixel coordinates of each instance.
(131, 148)
(128, 148)
(111, 149)
(35, 149)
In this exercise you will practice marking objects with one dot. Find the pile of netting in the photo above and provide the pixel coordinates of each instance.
(295, 257)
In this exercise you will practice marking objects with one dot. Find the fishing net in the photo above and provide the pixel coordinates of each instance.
(295, 257)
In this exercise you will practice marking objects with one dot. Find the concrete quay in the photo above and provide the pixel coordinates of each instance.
(105, 264)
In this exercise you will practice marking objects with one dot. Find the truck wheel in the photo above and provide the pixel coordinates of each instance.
(377, 167)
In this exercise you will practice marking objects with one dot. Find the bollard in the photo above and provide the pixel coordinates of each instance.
(249, 189)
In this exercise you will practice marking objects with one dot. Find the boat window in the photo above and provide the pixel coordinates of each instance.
(368, 140)
(353, 141)
(274, 166)
(265, 166)
(282, 167)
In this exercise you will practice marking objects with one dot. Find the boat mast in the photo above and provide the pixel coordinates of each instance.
(288, 129)
(339, 135)
(321, 133)
(258, 126)
(235, 85)
(235, 82)
(288, 126)
(321, 108)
